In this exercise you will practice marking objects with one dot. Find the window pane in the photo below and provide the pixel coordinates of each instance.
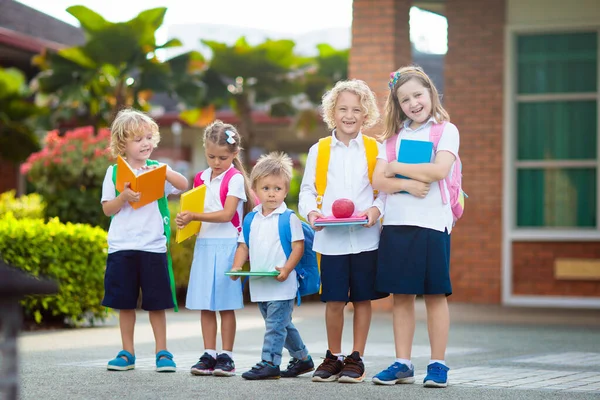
(557, 63)
(557, 130)
(556, 197)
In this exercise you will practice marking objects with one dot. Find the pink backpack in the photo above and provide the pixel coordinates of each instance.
(453, 181)
(231, 172)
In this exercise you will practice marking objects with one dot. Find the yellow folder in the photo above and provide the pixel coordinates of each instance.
(193, 201)
(150, 184)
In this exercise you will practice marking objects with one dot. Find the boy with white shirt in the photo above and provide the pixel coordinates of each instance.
(275, 296)
(348, 253)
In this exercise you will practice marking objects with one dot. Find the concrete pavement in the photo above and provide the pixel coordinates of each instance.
(493, 353)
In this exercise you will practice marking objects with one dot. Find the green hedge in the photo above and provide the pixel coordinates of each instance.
(74, 255)
(30, 206)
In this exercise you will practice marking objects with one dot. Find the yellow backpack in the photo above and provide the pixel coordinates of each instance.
(323, 154)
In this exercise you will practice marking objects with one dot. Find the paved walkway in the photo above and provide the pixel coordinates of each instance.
(494, 353)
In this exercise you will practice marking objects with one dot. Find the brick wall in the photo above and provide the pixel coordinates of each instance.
(474, 97)
(533, 269)
(8, 176)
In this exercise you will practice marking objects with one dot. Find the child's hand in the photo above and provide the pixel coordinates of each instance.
(283, 274)
(235, 277)
(372, 215)
(388, 172)
(148, 167)
(129, 195)
(312, 216)
(417, 188)
(183, 219)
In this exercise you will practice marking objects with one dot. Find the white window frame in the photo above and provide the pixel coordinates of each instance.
(512, 233)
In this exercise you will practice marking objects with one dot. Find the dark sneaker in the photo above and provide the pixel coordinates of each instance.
(224, 366)
(204, 366)
(329, 370)
(437, 376)
(354, 369)
(298, 367)
(262, 370)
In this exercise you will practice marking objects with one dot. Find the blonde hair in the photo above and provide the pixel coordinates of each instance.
(218, 133)
(273, 164)
(359, 88)
(128, 124)
(394, 116)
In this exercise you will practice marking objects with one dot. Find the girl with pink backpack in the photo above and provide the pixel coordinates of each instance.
(228, 197)
(419, 168)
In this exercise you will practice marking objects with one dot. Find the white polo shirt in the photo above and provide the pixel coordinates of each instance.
(140, 229)
(347, 177)
(429, 212)
(266, 253)
(212, 203)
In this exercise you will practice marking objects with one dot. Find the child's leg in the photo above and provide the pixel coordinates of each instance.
(127, 326)
(158, 320)
(208, 320)
(438, 324)
(228, 327)
(276, 315)
(404, 324)
(362, 323)
(334, 323)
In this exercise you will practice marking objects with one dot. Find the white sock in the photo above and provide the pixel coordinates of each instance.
(211, 352)
(229, 353)
(443, 362)
(404, 361)
(340, 357)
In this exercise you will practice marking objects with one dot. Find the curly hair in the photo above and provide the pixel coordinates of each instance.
(273, 164)
(128, 124)
(359, 88)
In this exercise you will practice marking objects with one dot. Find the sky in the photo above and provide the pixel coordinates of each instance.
(428, 31)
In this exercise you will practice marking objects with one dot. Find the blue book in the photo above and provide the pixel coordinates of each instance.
(414, 152)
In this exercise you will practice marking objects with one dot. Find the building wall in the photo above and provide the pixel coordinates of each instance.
(555, 12)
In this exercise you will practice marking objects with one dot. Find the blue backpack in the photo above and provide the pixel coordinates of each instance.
(307, 270)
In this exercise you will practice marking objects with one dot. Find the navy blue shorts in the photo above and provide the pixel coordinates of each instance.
(129, 271)
(349, 277)
(414, 260)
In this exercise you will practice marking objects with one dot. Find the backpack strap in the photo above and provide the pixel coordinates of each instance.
(323, 155)
(371, 151)
(390, 147)
(435, 134)
(223, 191)
(198, 181)
(163, 208)
(247, 224)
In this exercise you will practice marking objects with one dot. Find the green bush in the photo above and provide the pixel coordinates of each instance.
(73, 255)
(30, 206)
(68, 172)
(181, 253)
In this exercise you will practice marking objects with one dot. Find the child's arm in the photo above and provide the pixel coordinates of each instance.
(426, 172)
(224, 215)
(292, 261)
(111, 207)
(178, 181)
(395, 185)
(240, 258)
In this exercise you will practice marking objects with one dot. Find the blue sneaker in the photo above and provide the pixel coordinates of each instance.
(437, 376)
(263, 370)
(396, 373)
(122, 364)
(164, 362)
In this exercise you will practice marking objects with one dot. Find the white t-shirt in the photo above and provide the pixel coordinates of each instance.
(429, 212)
(266, 253)
(212, 203)
(140, 229)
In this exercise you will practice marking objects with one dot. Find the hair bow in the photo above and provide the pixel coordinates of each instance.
(394, 76)
(230, 137)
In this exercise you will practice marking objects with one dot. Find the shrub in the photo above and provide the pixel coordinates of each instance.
(30, 206)
(68, 172)
(74, 255)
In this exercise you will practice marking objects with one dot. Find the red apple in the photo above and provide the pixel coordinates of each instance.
(342, 208)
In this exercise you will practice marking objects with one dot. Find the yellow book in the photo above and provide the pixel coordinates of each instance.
(193, 201)
(150, 184)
